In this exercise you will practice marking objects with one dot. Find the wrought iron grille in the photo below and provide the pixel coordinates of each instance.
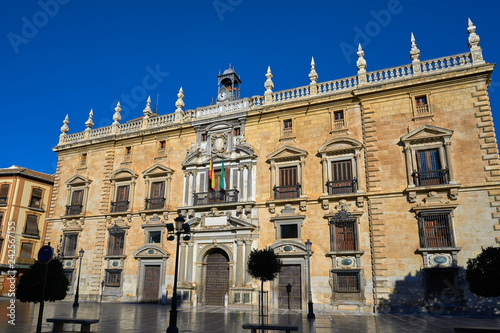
(119, 206)
(155, 203)
(287, 191)
(74, 209)
(431, 177)
(346, 282)
(341, 186)
(435, 229)
(343, 236)
(205, 198)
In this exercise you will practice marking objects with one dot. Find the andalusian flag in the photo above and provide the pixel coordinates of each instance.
(211, 174)
(222, 178)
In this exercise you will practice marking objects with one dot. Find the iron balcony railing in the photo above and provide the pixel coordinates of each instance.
(74, 209)
(431, 177)
(119, 206)
(342, 186)
(205, 198)
(286, 192)
(155, 203)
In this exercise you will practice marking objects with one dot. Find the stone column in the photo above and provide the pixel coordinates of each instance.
(301, 177)
(248, 248)
(359, 179)
(240, 262)
(324, 163)
(273, 179)
(182, 262)
(245, 183)
(409, 166)
(447, 153)
(186, 188)
(249, 182)
(190, 267)
(190, 189)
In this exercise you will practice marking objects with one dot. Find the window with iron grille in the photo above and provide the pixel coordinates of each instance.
(429, 168)
(26, 250)
(76, 203)
(113, 278)
(435, 229)
(346, 281)
(31, 227)
(70, 241)
(288, 183)
(36, 198)
(116, 243)
(342, 180)
(441, 282)
(4, 193)
(121, 204)
(289, 231)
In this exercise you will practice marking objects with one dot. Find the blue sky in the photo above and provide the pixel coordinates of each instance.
(69, 56)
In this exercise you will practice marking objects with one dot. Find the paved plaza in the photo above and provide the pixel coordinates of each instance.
(150, 318)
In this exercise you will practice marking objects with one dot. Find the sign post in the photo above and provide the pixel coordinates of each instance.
(45, 255)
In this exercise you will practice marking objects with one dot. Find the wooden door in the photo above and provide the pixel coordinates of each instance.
(290, 274)
(151, 288)
(217, 278)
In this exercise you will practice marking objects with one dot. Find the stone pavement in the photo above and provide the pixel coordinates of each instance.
(151, 318)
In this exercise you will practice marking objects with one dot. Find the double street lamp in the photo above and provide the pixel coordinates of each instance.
(80, 255)
(310, 313)
(179, 229)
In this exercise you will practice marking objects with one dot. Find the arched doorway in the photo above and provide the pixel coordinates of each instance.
(217, 277)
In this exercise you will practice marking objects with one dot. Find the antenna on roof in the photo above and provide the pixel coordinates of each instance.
(156, 105)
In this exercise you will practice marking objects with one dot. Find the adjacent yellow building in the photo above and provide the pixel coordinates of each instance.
(393, 175)
(24, 200)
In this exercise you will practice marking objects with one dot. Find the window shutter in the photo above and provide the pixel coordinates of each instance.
(31, 225)
(157, 190)
(4, 192)
(26, 250)
(77, 198)
(342, 170)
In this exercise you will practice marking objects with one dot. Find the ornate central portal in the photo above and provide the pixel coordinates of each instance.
(217, 278)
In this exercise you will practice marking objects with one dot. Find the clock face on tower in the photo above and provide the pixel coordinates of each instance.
(223, 95)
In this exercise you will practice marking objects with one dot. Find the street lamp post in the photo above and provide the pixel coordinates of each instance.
(310, 313)
(180, 228)
(75, 304)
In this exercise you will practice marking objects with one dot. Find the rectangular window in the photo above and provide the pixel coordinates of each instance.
(76, 203)
(435, 229)
(346, 282)
(83, 160)
(26, 250)
(429, 168)
(4, 193)
(154, 237)
(287, 128)
(288, 183)
(156, 200)
(421, 104)
(338, 119)
(344, 236)
(113, 278)
(70, 241)
(116, 242)
(36, 198)
(128, 151)
(237, 131)
(162, 145)
(342, 178)
(204, 137)
(289, 231)
(121, 203)
(31, 227)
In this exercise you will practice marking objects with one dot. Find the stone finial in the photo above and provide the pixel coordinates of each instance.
(179, 114)
(89, 123)
(361, 63)
(117, 117)
(414, 52)
(65, 128)
(147, 111)
(313, 76)
(473, 43)
(269, 85)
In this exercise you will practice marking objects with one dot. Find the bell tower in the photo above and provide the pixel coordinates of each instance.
(229, 85)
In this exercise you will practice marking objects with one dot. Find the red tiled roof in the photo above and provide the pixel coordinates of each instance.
(16, 170)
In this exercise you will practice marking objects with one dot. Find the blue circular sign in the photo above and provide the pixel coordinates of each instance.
(45, 254)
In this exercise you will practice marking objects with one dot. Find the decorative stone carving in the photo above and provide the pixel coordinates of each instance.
(439, 260)
(147, 111)
(361, 63)
(117, 117)
(272, 208)
(414, 52)
(115, 263)
(412, 196)
(190, 213)
(218, 143)
(453, 194)
(65, 128)
(269, 85)
(346, 262)
(325, 204)
(248, 209)
(313, 76)
(89, 123)
(473, 42)
(242, 141)
(303, 206)
(179, 114)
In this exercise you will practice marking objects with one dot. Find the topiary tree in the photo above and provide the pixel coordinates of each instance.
(263, 265)
(30, 286)
(483, 273)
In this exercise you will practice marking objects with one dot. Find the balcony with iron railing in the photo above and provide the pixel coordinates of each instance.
(155, 203)
(287, 192)
(341, 186)
(431, 177)
(74, 209)
(215, 197)
(119, 206)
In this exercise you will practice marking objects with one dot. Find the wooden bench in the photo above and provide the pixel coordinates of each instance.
(476, 329)
(59, 323)
(255, 327)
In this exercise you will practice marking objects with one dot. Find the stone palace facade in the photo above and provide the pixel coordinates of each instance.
(392, 174)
